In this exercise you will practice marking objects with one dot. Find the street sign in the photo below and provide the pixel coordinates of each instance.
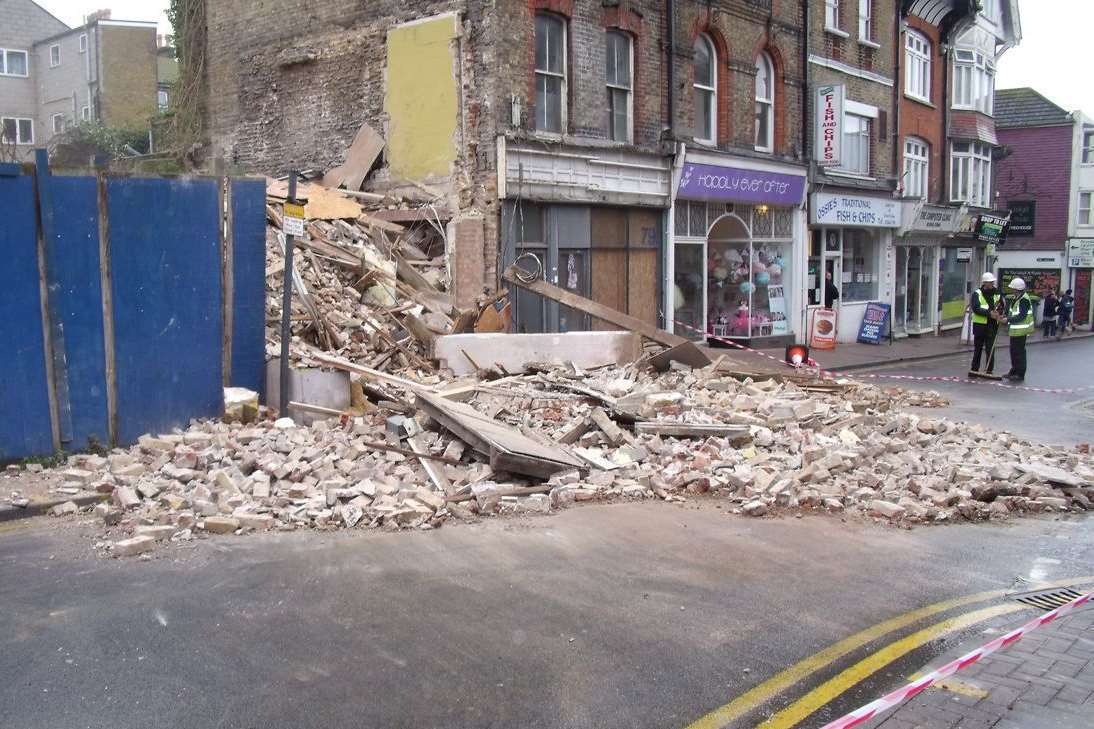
(293, 223)
(1080, 253)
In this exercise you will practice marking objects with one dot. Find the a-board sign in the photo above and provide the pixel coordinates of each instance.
(822, 329)
(293, 221)
(875, 320)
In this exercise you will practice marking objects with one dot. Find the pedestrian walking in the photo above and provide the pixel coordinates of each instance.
(1064, 309)
(984, 305)
(1049, 313)
(1021, 324)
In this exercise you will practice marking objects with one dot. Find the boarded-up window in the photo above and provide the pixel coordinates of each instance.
(625, 245)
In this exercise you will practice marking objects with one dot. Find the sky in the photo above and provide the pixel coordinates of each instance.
(73, 11)
(1051, 58)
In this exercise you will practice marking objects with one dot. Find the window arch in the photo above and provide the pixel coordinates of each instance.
(704, 87)
(917, 65)
(765, 103)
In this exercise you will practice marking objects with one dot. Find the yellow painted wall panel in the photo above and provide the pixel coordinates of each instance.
(421, 98)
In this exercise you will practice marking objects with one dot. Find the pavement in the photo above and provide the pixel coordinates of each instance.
(1045, 680)
(850, 357)
(636, 615)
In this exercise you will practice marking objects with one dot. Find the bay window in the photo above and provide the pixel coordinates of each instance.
(620, 83)
(704, 84)
(917, 66)
(765, 102)
(1088, 148)
(550, 74)
(856, 144)
(973, 81)
(916, 167)
(970, 174)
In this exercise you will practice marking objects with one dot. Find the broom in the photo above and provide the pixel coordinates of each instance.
(988, 362)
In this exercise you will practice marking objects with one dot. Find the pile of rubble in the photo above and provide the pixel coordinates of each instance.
(764, 447)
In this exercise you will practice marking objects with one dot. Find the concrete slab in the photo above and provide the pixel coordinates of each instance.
(328, 389)
(513, 351)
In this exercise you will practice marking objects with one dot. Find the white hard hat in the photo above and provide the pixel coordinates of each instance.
(988, 277)
(1018, 284)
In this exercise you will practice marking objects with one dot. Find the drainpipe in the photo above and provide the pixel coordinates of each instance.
(806, 98)
(670, 23)
(807, 114)
(898, 99)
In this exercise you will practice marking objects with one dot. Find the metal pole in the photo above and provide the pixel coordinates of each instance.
(286, 312)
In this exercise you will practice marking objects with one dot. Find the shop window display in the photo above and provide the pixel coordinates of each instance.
(745, 293)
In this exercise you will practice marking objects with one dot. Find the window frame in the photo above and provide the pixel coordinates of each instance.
(831, 15)
(545, 73)
(53, 122)
(85, 112)
(55, 63)
(863, 137)
(4, 63)
(865, 21)
(710, 92)
(917, 162)
(1088, 148)
(83, 42)
(917, 57)
(18, 130)
(1089, 219)
(969, 168)
(980, 91)
(165, 104)
(618, 87)
(764, 62)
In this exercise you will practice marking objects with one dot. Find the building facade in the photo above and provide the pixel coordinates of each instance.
(1079, 270)
(103, 71)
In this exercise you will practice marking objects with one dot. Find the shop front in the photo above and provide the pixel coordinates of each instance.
(1080, 261)
(851, 245)
(935, 273)
(737, 245)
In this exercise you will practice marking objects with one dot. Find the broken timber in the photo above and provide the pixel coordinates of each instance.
(690, 430)
(507, 448)
(593, 309)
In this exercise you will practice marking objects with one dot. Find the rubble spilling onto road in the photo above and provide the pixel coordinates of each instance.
(761, 446)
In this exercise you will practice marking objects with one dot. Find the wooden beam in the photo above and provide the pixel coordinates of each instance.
(690, 430)
(593, 309)
(435, 473)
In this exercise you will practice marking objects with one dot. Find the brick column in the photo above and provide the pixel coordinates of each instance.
(466, 259)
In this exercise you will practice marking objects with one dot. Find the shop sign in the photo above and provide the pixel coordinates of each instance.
(822, 329)
(1080, 254)
(714, 182)
(1039, 281)
(829, 132)
(852, 211)
(936, 219)
(1023, 214)
(964, 255)
(874, 321)
(992, 229)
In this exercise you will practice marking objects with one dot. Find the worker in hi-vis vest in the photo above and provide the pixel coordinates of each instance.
(984, 305)
(1020, 325)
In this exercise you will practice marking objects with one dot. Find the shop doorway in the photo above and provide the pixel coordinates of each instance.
(916, 268)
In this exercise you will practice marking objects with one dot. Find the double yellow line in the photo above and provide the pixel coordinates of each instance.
(834, 687)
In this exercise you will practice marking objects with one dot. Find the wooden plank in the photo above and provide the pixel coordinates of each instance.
(616, 435)
(347, 366)
(316, 409)
(686, 353)
(362, 154)
(435, 473)
(690, 430)
(527, 491)
(369, 220)
(367, 196)
(593, 309)
(413, 454)
(578, 429)
(107, 284)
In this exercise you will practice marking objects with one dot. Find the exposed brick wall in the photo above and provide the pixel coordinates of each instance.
(1037, 167)
(740, 31)
(128, 83)
(926, 121)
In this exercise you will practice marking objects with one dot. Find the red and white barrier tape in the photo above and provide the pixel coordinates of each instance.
(832, 374)
(904, 693)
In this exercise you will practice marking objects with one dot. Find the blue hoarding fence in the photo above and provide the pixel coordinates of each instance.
(128, 304)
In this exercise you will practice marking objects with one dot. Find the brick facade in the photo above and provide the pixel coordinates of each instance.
(868, 72)
(740, 31)
(1037, 166)
(127, 66)
(927, 120)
